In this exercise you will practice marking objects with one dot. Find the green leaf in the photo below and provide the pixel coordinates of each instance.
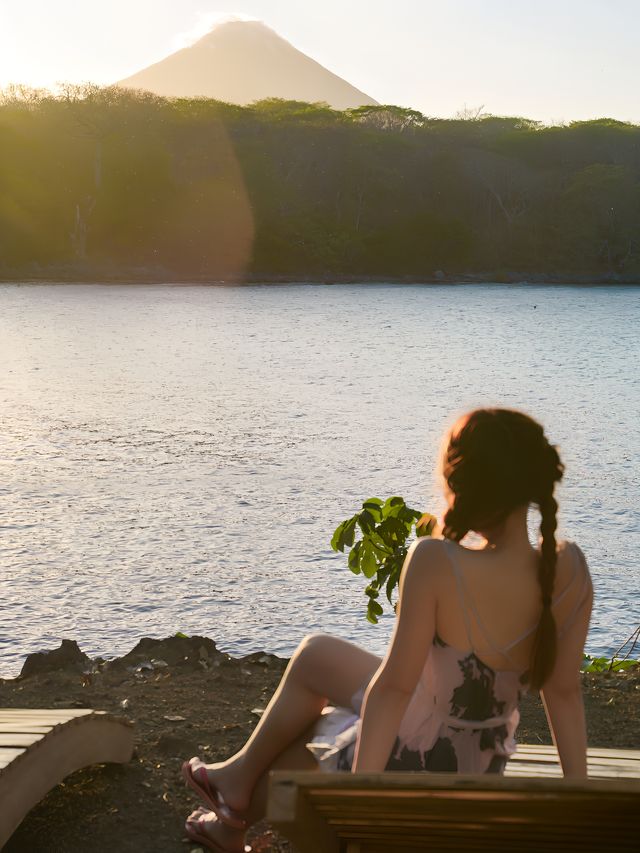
(392, 506)
(354, 558)
(397, 530)
(337, 542)
(379, 555)
(394, 577)
(343, 534)
(592, 664)
(373, 611)
(366, 522)
(373, 506)
(181, 636)
(349, 532)
(622, 665)
(379, 544)
(368, 562)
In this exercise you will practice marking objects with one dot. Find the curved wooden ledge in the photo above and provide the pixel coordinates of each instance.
(39, 748)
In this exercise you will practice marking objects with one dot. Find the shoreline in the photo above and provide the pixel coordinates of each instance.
(186, 697)
(169, 279)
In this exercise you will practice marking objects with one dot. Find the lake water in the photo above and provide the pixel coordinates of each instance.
(176, 458)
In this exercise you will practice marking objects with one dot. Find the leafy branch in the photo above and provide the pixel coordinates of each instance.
(379, 553)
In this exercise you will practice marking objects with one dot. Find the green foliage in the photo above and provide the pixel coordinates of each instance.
(603, 664)
(383, 528)
(103, 176)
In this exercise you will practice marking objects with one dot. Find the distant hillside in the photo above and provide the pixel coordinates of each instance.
(113, 183)
(244, 61)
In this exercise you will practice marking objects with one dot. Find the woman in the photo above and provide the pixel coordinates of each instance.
(474, 628)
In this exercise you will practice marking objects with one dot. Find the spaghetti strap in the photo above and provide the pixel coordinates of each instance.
(579, 565)
(461, 593)
(576, 570)
(500, 650)
(467, 599)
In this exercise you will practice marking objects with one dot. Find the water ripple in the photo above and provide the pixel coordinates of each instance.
(175, 459)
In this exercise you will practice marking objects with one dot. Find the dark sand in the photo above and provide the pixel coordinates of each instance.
(141, 807)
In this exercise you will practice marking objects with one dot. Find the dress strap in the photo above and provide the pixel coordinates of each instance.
(580, 567)
(467, 599)
(460, 585)
(503, 651)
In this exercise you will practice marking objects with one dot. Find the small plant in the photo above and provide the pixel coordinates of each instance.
(593, 664)
(379, 554)
(618, 662)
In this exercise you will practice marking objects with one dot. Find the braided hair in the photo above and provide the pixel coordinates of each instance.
(495, 461)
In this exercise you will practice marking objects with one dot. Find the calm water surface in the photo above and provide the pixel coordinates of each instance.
(176, 458)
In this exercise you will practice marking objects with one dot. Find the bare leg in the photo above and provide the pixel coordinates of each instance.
(295, 757)
(323, 670)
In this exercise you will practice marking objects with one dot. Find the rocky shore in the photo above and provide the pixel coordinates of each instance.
(92, 274)
(185, 698)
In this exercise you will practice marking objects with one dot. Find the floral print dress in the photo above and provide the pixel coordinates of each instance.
(463, 714)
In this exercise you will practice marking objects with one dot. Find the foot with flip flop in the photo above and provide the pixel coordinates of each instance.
(218, 826)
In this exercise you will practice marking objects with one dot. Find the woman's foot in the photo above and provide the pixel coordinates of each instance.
(205, 828)
(222, 787)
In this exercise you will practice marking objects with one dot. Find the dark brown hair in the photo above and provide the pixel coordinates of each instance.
(495, 461)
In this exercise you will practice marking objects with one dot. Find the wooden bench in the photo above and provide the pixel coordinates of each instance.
(531, 808)
(38, 748)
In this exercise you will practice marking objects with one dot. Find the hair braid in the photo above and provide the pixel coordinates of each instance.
(545, 641)
(454, 526)
(495, 461)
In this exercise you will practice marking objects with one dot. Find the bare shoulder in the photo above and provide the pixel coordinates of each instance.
(572, 561)
(427, 560)
(569, 550)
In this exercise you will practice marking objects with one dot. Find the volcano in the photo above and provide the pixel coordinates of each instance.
(244, 61)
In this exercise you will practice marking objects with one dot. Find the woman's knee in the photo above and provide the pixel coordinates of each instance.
(313, 647)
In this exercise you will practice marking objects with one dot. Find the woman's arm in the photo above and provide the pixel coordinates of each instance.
(391, 688)
(562, 692)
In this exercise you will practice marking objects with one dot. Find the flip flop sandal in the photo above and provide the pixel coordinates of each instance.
(198, 835)
(208, 794)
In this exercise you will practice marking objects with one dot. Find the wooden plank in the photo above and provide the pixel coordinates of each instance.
(532, 808)
(592, 751)
(425, 807)
(601, 763)
(287, 805)
(27, 728)
(86, 738)
(19, 739)
(44, 714)
(533, 770)
(40, 721)
(406, 782)
(8, 755)
(595, 771)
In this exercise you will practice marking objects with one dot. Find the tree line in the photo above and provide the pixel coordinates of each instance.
(102, 179)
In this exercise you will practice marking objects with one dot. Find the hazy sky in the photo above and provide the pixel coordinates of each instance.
(547, 59)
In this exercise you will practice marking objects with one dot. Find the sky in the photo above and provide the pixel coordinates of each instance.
(550, 60)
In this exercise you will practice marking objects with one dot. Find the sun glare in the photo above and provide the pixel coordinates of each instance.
(204, 25)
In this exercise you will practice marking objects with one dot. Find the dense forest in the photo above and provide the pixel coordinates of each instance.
(107, 182)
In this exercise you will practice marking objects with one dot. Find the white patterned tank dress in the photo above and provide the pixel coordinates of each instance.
(462, 716)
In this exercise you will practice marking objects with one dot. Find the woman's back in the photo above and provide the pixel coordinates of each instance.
(489, 601)
(464, 711)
